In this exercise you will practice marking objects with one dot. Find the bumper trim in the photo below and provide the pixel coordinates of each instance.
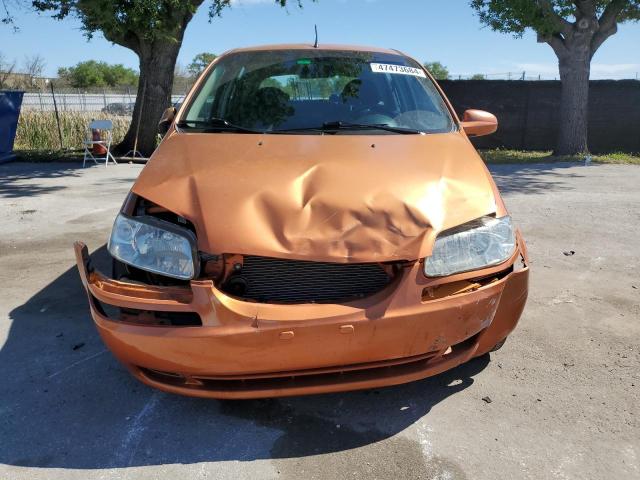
(299, 383)
(143, 297)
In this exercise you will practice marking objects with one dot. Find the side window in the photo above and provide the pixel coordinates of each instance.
(202, 105)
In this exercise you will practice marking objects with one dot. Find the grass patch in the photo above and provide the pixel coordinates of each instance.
(39, 131)
(500, 156)
(42, 156)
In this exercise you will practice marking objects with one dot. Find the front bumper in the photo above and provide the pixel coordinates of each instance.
(251, 350)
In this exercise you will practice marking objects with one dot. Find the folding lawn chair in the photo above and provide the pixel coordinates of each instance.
(105, 129)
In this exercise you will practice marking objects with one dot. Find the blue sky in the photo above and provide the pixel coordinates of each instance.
(444, 30)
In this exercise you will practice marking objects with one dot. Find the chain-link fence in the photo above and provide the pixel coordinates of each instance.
(535, 76)
(112, 102)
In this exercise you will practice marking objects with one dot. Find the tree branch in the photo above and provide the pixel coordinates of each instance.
(610, 15)
(556, 42)
(561, 24)
(586, 7)
(607, 24)
(127, 38)
(7, 18)
(600, 37)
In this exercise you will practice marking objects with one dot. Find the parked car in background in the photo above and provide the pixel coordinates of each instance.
(125, 109)
(314, 220)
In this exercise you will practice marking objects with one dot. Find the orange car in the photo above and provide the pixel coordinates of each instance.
(314, 220)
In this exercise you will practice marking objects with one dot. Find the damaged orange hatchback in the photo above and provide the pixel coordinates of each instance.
(314, 220)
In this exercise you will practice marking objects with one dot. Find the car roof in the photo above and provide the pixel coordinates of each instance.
(321, 47)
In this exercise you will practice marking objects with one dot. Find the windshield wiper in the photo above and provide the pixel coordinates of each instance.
(339, 125)
(215, 125)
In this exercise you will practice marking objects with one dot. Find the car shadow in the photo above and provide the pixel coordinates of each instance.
(534, 178)
(23, 179)
(67, 403)
(20, 179)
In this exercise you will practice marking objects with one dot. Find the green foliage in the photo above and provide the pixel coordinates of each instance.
(438, 70)
(200, 62)
(118, 74)
(128, 22)
(548, 17)
(98, 74)
(478, 76)
(132, 23)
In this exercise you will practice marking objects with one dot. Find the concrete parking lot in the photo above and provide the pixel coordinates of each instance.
(561, 399)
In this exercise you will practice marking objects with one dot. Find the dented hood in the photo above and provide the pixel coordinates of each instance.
(337, 198)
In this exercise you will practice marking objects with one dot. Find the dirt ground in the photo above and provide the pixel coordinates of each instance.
(564, 390)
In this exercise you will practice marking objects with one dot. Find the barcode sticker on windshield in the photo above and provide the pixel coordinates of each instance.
(397, 69)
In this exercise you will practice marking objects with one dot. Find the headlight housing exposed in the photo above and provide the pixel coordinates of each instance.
(154, 245)
(482, 243)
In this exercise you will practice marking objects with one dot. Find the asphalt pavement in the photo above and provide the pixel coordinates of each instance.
(561, 399)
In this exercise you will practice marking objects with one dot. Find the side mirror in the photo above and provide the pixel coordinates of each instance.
(166, 120)
(478, 122)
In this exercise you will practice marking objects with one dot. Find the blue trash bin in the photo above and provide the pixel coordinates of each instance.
(10, 102)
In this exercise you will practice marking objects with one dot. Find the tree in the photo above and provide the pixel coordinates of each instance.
(154, 30)
(574, 29)
(118, 75)
(438, 70)
(28, 78)
(478, 76)
(84, 75)
(33, 68)
(98, 74)
(200, 62)
(6, 71)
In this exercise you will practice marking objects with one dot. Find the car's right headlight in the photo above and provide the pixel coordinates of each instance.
(154, 245)
(482, 243)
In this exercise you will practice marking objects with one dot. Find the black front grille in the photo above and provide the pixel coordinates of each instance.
(272, 280)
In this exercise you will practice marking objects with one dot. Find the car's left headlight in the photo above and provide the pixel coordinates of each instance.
(482, 243)
(154, 245)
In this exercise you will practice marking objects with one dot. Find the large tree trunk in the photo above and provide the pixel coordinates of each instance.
(157, 64)
(574, 104)
(575, 43)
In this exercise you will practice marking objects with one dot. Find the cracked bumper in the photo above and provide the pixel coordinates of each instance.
(250, 350)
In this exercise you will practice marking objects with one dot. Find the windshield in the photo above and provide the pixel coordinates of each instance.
(283, 91)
